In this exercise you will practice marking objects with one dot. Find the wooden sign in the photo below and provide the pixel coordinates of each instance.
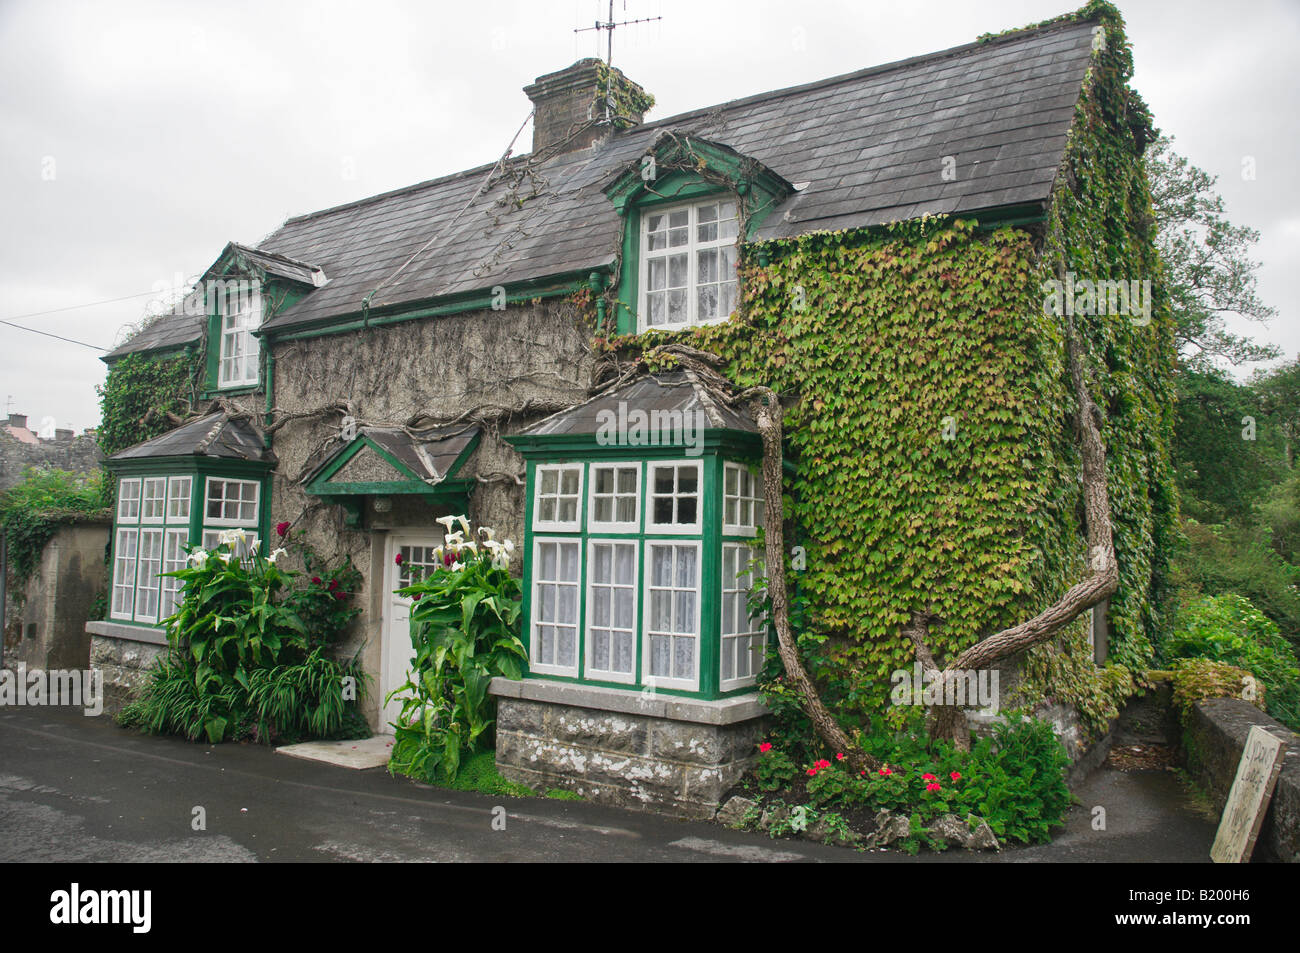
(1252, 789)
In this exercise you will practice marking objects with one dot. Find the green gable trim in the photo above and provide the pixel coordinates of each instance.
(450, 491)
(695, 169)
(698, 163)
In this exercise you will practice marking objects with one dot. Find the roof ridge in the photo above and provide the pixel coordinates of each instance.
(415, 187)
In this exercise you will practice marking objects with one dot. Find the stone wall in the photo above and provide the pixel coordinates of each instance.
(124, 660)
(77, 454)
(673, 755)
(1214, 742)
(48, 630)
(512, 366)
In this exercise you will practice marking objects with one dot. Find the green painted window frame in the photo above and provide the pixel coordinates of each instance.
(709, 538)
(756, 189)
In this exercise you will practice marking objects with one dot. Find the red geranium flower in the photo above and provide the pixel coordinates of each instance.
(812, 772)
(956, 775)
(315, 580)
(839, 757)
(928, 777)
(398, 559)
(932, 787)
(885, 770)
(765, 747)
(282, 528)
(822, 763)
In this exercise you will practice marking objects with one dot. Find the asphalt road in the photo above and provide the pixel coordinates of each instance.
(82, 789)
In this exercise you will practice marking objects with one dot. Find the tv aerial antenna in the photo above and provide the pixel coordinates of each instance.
(609, 26)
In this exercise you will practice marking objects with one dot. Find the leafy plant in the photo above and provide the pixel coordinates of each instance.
(137, 396)
(1229, 629)
(464, 631)
(774, 769)
(239, 663)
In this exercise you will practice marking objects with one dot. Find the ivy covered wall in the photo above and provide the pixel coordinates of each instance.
(930, 413)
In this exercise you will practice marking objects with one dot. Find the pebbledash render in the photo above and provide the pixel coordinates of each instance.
(372, 367)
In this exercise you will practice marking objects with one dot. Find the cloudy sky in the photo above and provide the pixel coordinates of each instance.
(137, 138)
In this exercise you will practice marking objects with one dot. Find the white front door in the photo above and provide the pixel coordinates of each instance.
(416, 550)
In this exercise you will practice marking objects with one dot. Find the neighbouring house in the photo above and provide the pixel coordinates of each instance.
(64, 449)
(878, 247)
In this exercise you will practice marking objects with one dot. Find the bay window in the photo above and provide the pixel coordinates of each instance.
(158, 516)
(639, 573)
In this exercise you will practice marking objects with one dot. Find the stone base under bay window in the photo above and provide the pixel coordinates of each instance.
(617, 746)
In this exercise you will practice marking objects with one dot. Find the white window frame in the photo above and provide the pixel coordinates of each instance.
(673, 529)
(727, 640)
(173, 483)
(123, 499)
(663, 681)
(691, 248)
(760, 504)
(160, 484)
(226, 522)
(154, 533)
(237, 326)
(534, 603)
(119, 563)
(591, 671)
(614, 526)
(558, 526)
(170, 597)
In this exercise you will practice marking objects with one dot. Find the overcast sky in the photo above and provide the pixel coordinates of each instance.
(137, 138)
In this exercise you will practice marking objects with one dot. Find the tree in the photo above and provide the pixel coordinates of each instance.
(1209, 270)
(1227, 445)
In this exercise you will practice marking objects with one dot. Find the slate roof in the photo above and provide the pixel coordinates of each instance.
(867, 147)
(674, 391)
(215, 435)
(170, 332)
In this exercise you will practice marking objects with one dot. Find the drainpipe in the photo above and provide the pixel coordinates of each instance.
(270, 396)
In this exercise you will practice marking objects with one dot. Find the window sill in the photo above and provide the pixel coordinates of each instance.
(232, 391)
(722, 711)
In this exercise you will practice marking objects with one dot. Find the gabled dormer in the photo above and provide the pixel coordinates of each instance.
(241, 290)
(687, 204)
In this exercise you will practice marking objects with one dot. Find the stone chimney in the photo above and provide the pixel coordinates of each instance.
(64, 435)
(18, 420)
(570, 106)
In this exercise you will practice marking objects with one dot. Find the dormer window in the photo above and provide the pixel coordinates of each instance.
(688, 263)
(240, 304)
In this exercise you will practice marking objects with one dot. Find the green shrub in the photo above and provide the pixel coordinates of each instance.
(1230, 629)
(1014, 780)
(240, 663)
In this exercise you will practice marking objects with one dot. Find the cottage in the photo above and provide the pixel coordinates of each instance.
(871, 245)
